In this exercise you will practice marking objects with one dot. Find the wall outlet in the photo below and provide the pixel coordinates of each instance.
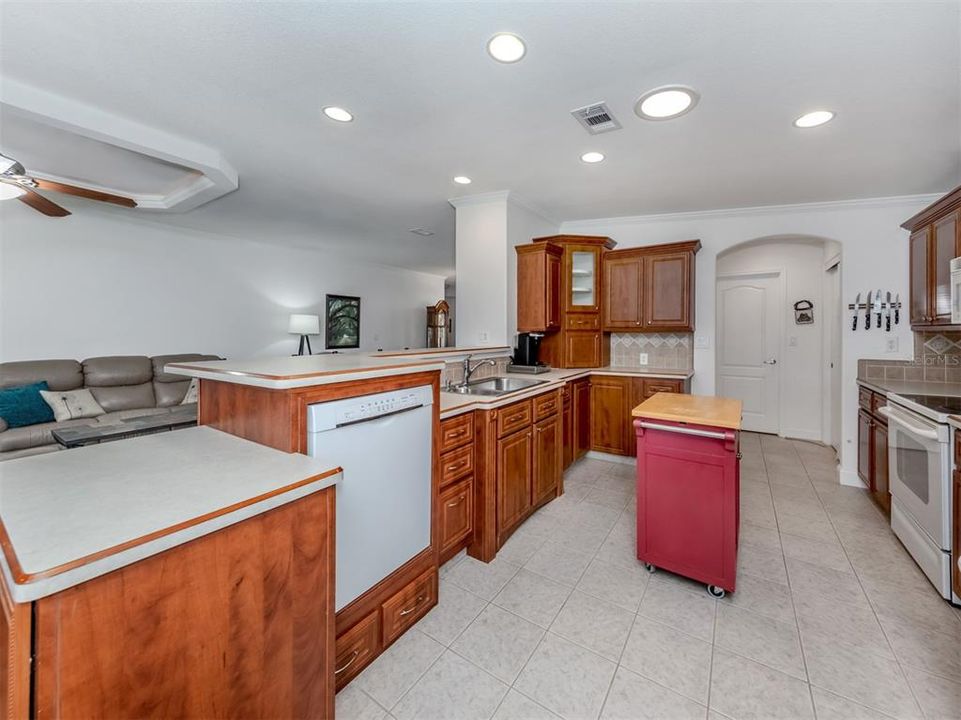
(482, 336)
(792, 341)
(702, 342)
(891, 344)
(642, 358)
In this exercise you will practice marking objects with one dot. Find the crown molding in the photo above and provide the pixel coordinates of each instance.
(213, 178)
(479, 198)
(890, 201)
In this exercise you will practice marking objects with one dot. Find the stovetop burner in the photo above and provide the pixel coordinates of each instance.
(938, 403)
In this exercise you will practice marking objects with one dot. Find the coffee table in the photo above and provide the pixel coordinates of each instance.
(79, 435)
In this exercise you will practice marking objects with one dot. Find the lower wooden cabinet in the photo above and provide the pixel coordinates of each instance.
(356, 648)
(548, 458)
(610, 410)
(456, 514)
(581, 411)
(515, 472)
(567, 426)
(408, 605)
(873, 448)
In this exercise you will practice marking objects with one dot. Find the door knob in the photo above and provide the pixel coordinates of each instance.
(772, 361)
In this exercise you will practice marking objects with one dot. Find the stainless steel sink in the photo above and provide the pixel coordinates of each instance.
(496, 386)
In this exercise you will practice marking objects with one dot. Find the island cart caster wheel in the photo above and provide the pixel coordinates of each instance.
(650, 568)
(716, 592)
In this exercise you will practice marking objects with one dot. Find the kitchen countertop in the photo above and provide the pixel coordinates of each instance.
(70, 516)
(282, 373)
(910, 387)
(452, 404)
(695, 409)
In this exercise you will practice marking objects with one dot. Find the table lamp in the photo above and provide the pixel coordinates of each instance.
(304, 325)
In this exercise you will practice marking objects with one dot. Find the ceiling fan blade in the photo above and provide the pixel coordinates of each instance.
(84, 193)
(41, 204)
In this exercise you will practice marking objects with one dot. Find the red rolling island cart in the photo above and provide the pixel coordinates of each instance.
(688, 487)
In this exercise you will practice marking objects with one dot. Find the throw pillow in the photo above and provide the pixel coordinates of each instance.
(72, 404)
(23, 405)
(191, 395)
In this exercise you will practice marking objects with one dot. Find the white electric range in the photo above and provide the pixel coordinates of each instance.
(919, 468)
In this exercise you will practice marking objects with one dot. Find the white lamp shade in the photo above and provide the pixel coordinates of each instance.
(304, 325)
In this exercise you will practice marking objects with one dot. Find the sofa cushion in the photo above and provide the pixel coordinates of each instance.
(125, 397)
(114, 370)
(71, 404)
(32, 436)
(25, 405)
(58, 374)
(171, 389)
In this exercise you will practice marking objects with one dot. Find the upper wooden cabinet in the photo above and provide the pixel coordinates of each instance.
(538, 287)
(650, 289)
(935, 239)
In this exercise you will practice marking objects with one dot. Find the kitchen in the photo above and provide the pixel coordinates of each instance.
(693, 453)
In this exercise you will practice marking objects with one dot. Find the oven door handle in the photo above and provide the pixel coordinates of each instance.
(918, 430)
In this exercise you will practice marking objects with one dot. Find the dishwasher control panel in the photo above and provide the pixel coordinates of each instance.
(330, 415)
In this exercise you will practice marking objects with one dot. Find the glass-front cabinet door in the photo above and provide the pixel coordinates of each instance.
(583, 280)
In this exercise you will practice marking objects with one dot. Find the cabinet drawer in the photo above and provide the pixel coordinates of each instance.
(409, 605)
(355, 648)
(652, 387)
(546, 405)
(878, 401)
(456, 431)
(513, 417)
(456, 513)
(456, 464)
(864, 398)
(583, 322)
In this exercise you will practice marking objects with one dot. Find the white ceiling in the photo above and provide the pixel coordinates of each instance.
(250, 79)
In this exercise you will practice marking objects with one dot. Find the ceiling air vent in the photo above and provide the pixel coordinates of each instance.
(422, 232)
(596, 118)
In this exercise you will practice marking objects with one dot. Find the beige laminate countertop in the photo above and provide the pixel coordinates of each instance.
(694, 409)
(452, 404)
(70, 516)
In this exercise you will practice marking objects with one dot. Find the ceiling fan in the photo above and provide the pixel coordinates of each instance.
(15, 183)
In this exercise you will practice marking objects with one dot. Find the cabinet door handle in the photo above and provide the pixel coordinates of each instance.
(347, 664)
(417, 602)
(457, 502)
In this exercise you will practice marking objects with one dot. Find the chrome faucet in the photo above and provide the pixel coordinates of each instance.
(468, 370)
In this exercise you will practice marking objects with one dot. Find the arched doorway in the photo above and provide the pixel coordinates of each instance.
(778, 334)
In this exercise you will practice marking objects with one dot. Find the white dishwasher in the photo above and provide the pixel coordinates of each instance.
(383, 443)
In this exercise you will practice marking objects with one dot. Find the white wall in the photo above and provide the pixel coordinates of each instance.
(488, 227)
(96, 283)
(874, 254)
(801, 267)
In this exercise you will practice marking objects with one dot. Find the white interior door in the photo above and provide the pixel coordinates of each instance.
(833, 306)
(748, 341)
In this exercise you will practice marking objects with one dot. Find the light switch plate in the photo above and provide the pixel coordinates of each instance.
(642, 358)
(702, 342)
(891, 344)
(792, 341)
(482, 336)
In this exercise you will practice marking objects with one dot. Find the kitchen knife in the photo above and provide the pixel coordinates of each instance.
(854, 318)
(867, 312)
(887, 317)
(897, 309)
(877, 307)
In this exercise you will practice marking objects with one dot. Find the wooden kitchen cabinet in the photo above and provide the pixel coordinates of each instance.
(567, 425)
(934, 240)
(873, 447)
(456, 511)
(581, 409)
(455, 501)
(515, 473)
(650, 288)
(583, 349)
(610, 401)
(548, 454)
(538, 287)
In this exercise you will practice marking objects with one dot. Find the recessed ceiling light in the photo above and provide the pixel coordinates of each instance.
(664, 103)
(338, 114)
(592, 157)
(462, 180)
(813, 119)
(9, 192)
(506, 47)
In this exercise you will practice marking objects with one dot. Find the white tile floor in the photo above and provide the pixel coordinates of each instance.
(831, 617)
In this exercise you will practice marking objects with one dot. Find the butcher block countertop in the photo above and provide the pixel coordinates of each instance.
(694, 409)
(70, 516)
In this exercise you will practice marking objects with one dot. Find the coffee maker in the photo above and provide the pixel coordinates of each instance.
(526, 354)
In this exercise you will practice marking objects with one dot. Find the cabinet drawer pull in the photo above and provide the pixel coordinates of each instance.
(515, 416)
(456, 466)
(457, 502)
(347, 664)
(412, 608)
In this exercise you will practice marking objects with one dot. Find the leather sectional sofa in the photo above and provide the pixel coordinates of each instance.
(125, 386)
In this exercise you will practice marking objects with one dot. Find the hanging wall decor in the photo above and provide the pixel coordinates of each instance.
(803, 312)
(343, 321)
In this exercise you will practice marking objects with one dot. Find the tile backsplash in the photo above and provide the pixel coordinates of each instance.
(937, 358)
(665, 351)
